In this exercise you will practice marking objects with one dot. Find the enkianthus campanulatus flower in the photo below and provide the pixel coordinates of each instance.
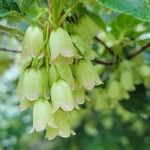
(55, 84)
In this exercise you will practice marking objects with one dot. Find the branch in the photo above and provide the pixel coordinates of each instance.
(25, 18)
(130, 56)
(107, 63)
(9, 50)
(108, 48)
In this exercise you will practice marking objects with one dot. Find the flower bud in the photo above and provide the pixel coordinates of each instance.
(62, 97)
(86, 75)
(79, 95)
(61, 44)
(42, 115)
(32, 42)
(65, 72)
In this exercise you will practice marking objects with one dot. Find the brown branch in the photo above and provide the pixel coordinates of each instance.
(130, 56)
(9, 50)
(108, 48)
(107, 63)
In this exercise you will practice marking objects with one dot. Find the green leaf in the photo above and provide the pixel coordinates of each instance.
(122, 25)
(137, 8)
(24, 5)
(6, 6)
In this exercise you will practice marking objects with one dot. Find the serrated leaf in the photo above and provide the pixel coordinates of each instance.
(137, 8)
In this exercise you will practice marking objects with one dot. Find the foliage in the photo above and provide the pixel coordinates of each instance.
(84, 66)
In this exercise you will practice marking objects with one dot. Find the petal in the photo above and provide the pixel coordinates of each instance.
(65, 73)
(49, 116)
(62, 96)
(51, 133)
(62, 123)
(39, 115)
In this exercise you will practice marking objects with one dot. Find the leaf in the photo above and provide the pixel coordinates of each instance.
(122, 25)
(6, 6)
(24, 5)
(137, 8)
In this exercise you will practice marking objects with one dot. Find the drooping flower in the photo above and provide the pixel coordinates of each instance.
(61, 45)
(62, 97)
(63, 126)
(86, 75)
(64, 129)
(79, 95)
(42, 115)
(126, 80)
(33, 84)
(32, 42)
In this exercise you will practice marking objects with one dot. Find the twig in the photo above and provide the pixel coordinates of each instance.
(9, 50)
(107, 63)
(25, 18)
(67, 12)
(130, 56)
(108, 48)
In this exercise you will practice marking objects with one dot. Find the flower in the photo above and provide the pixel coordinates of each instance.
(86, 75)
(32, 42)
(62, 97)
(61, 45)
(42, 115)
(33, 84)
(65, 72)
(24, 104)
(63, 126)
(126, 80)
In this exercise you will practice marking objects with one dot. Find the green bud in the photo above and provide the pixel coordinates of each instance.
(86, 75)
(61, 44)
(65, 72)
(79, 95)
(32, 42)
(54, 75)
(42, 115)
(62, 97)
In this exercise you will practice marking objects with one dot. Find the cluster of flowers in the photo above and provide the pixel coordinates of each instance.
(121, 82)
(54, 90)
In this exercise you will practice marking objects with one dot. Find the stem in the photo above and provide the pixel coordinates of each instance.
(107, 63)
(138, 51)
(62, 19)
(107, 48)
(25, 18)
(11, 31)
